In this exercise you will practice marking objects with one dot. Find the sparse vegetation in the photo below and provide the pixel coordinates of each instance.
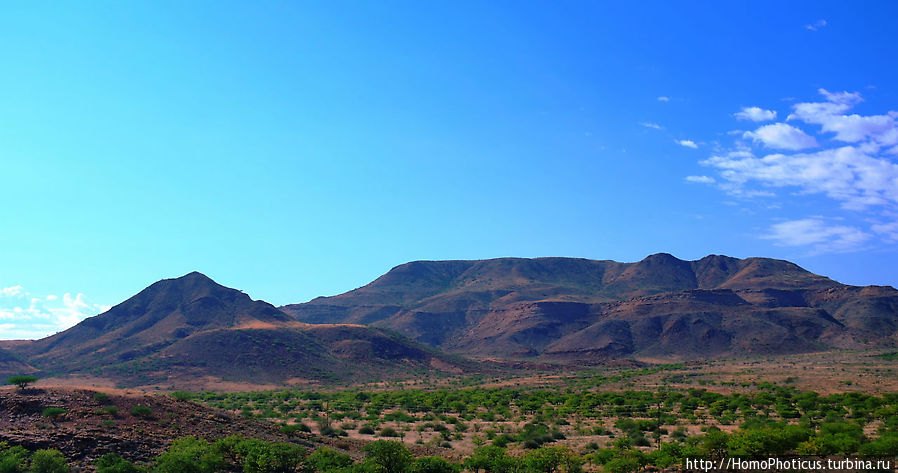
(142, 411)
(48, 461)
(591, 420)
(22, 381)
(54, 412)
(16, 459)
(183, 395)
(114, 463)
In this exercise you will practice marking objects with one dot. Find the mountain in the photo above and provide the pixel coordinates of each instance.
(582, 310)
(12, 365)
(192, 327)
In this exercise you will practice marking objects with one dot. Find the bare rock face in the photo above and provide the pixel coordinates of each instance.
(585, 310)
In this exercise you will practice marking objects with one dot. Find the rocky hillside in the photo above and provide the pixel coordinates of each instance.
(92, 425)
(187, 331)
(11, 365)
(577, 309)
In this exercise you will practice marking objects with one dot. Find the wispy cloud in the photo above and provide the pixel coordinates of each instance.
(888, 231)
(25, 316)
(701, 179)
(663, 99)
(14, 291)
(874, 130)
(815, 25)
(844, 174)
(755, 114)
(651, 125)
(818, 234)
(781, 136)
(687, 143)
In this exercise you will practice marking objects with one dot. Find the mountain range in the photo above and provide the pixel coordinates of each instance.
(582, 310)
(450, 316)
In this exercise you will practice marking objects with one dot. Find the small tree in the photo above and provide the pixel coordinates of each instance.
(391, 456)
(22, 381)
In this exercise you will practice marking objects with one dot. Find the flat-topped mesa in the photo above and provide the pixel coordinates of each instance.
(411, 284)
(484, 307)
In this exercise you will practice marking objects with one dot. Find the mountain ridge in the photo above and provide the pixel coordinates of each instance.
(193, 327)
(522, 307)
(426, 315)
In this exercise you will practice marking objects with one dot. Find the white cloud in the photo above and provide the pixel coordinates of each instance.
(781, 136)
(857, 175)
(875, 130)
(686, 143)
(845, 174)
(854, 164)
(37, 317)
(14, 291)
(701, 179)
(818, 234)
(816, 25)
(889, 231)
(663, 99)
(652, 125)
(755, 114)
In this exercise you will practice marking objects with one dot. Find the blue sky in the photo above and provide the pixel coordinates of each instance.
(297, 149)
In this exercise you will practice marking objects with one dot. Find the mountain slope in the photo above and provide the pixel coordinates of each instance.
(191, 327)
(11, 365)
(578, 309)
(157, 316)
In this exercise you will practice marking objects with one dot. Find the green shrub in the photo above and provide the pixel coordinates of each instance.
(388, 432)
(12, 459)
(602, 456)
(622, 465)
(258, 456)
(190, 455)
(142, 411)
(101, 397)
(434, 465)
(114, 463)
(366, 429)
(328, 431)
(326, 459)
(53, 412)
(48, 461)
(550, 459)
(183, 395)
(290, 428)
(885, 446)
(390, 455)
(493, 459)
